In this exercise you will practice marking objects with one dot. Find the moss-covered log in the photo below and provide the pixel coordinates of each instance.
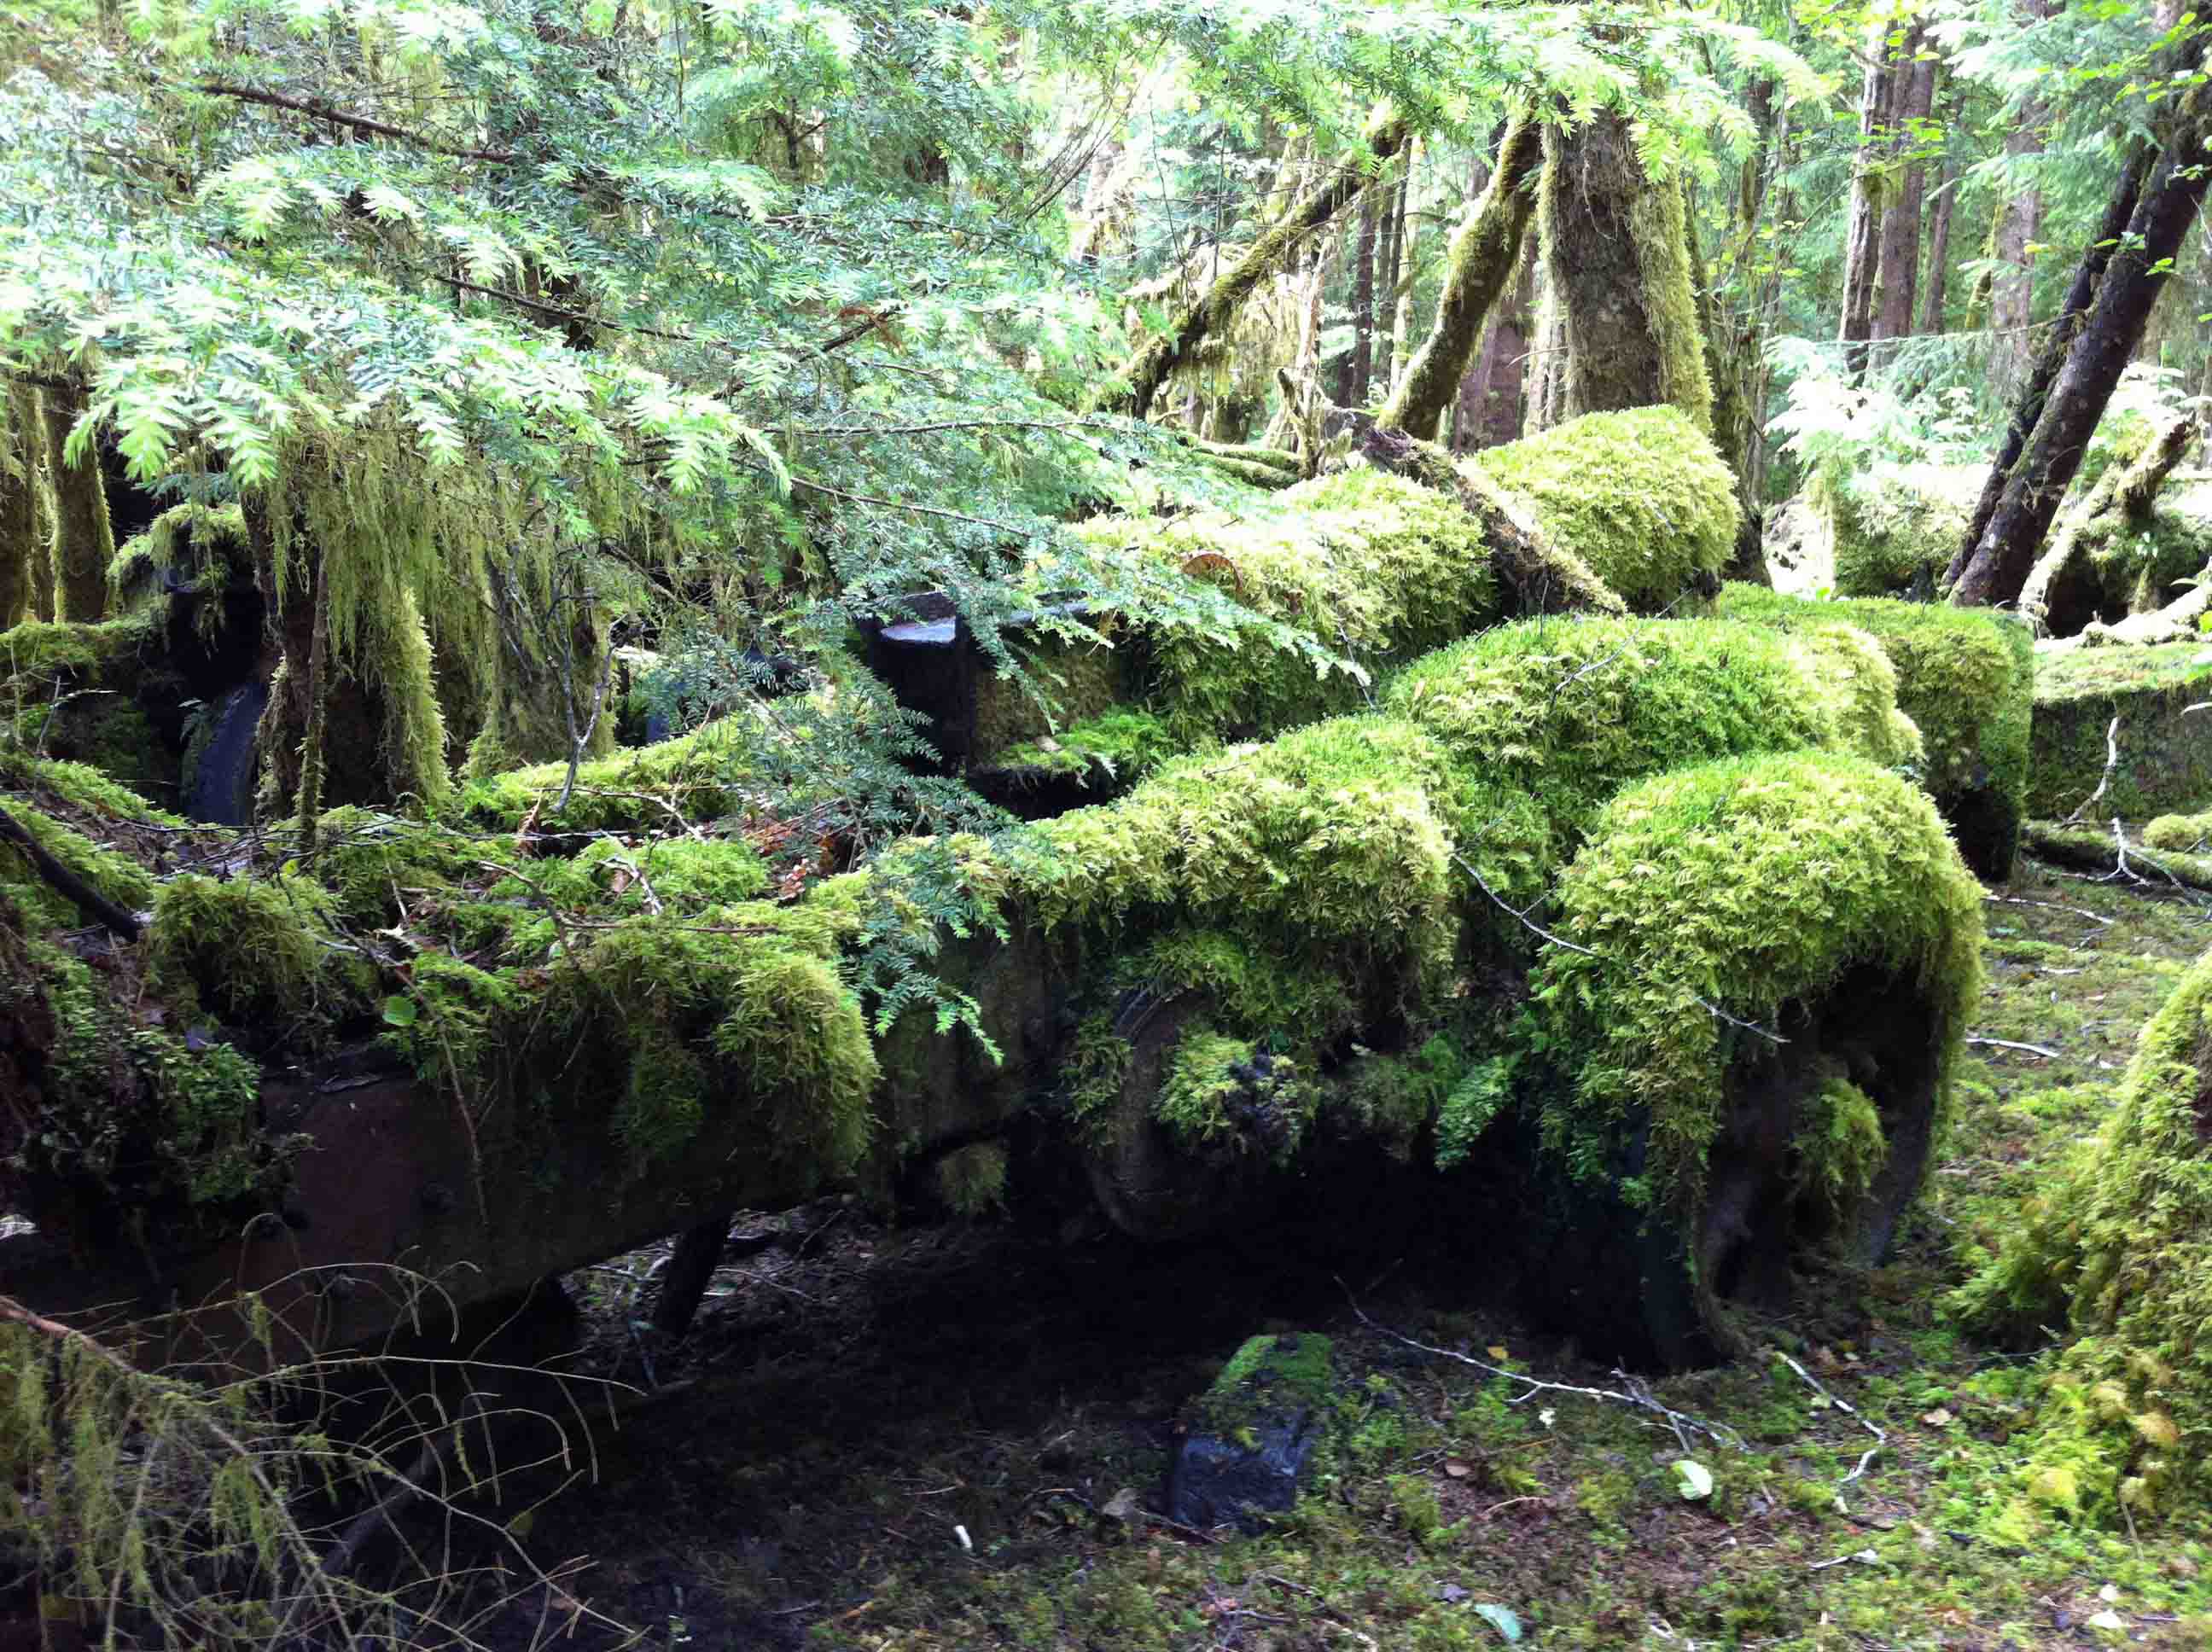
(1641, 498)
(83, 537)
(2062, 594)
(1967, 680)
(2164, 750)
(1483, 255)
(2120, 1251)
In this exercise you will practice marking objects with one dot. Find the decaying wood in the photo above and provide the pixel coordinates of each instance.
(2125, 492)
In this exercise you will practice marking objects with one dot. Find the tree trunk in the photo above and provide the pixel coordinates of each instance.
(1938, 251)
(1140, 381)
(1899, 275)
(1861, 237)
(1391, 261)
(1614, 241)
(2126, 491)
(1547, 382)
(23, 539)
(2002, 560)
(84, 540)
(1360, 370)
(2028, 409)
(2019, 225)
(1484, 255)
(1499, 382)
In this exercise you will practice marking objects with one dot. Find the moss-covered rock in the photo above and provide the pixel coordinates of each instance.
(1894, 527)
(1754, 951)
(2166, 752)
(2121, 1249)
(1247, 1440)
(1642, 497)
(2182, 834)
(81, 692)
(1966, 678)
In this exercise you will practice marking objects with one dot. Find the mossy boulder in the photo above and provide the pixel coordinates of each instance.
(2164, 750)
(82, 692)
(1762, 987)
(1966, 678)
(1894, 527)
(2181, 834)
(2120, 1250)
(1248, 1440)
(1642, 497)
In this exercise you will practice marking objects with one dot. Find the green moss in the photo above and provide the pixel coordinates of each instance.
(118, 876)
(1895, 526)
(2127, 1238)
(257, 951)
(377, 865)
(698, 776)
(2181, 834)
(971, 1181)
(39, 648)
(1750, 884)
(1391, 1099)
(1552, 718)
(663, 874)
(1268, 1374)
(1841, 1146)
(215, 535)
(1255, 992)
(81, 787)
(1642, 497)
(2165, 761)
(1116, 747)
(452, 1039)
(1210, 1080)
(1967, 680)
(1084, 680)
(1373, 566)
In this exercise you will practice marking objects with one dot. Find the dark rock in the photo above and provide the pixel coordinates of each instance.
(1249, 1439)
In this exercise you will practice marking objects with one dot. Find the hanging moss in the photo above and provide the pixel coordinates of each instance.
(26, 566)
(254, 951)
(1373, 566)
(1894, 527)
(1967, 677)
(205, 542)
(1754, 885)
(1642, 497)
(2122, 1248)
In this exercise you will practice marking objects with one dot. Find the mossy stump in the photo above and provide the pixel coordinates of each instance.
(2165, 750)
(1247, 1441)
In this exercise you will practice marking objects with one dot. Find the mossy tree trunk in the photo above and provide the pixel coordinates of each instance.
(2005, 555)
(23, 552)
(1616, 246)
(1140, 382)
(83, 538)
(1358, 366)
(2054, 596)
(1897, 279)
(1862, 234)
(1548, 374)
(1485, 253)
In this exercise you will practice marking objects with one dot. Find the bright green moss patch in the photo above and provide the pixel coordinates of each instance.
(258, 951)
(1119, 746)
(377, 865)
(39, 648)
(117, 877)
(1750, 885)
(2181, 834)
(81, 787)
(1641, 497)
(1551, 717)
(696, 776)
(1372, 567)
(1266, 1375)
(1967, 680)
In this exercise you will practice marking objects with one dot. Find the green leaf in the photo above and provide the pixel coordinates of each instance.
(400, 1010)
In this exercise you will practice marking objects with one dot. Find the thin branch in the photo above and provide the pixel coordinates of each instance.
(316, 109)
(1845, 1406)
(66, 882)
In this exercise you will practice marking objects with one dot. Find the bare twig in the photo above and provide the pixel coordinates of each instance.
(2007, 1044)
(2105, 782)
(1880, 1439)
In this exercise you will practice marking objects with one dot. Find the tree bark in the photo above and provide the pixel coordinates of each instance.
(1861, 237)
(1897, 276)
(1386, 283)
(1140, 381)
(1932, 291)
(2127, 490)
(1547, 383)
(1494, 395)
(1359, 366)
(23, 541)
(2028, 409)
(84, 540)
(1615, 244)
(2002, 560)
(1484, 255)
(2019, 225)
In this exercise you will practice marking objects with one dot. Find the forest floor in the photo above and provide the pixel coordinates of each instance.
(906, 1438)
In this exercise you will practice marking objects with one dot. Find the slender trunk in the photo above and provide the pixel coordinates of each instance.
(2028, 407)
(1500, 374)
(1132, 393)
(2018, 226)
(83, 540)
(1386, 285)
(1861, 237)
(22, 544)
(1615, 242)
(1899, 277)
(318, 696)
(1547, 385)
(1361, 373)
(2006, 553)
(1938, 251)
(1485, 254)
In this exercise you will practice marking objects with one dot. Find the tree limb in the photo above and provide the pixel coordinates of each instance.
(316, 109)
(72, 888)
